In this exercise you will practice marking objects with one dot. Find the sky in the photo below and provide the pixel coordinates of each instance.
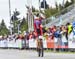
(20, 5)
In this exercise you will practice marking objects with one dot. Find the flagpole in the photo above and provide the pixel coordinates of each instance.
(44, 8)
(39, 6)
(74, 4)
(9, 9)
(63, 3)
(29, 11)
(10, 16)
(44, 4)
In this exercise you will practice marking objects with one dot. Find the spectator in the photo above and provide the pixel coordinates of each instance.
(57, 36)
(69, 28)
(63, 37)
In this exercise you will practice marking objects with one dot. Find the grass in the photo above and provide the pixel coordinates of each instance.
(64, 52)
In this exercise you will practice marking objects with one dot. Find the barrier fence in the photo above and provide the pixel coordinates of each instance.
(48, 42)
(55, 43)
(6, 43)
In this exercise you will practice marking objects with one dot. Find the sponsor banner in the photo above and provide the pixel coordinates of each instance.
(3, 43)
(64, 42)
(50, 42)
(11, 43)
(60, 42)
(19, 43)
(72, 44)
(47, 42)
(32, 43)
(71, 41)
(15, 43)
(44, 43)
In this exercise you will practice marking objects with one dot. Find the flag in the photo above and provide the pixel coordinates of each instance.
(44, 4)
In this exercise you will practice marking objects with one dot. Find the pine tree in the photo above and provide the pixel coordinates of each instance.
(67, 3)
(15, 20)
(23, 25)
(3, 29)
(72, 1)
(56, 5)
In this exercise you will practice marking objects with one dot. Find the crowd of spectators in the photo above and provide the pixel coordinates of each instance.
(58, 33)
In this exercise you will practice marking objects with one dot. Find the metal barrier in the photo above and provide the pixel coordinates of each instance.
(47, 43)
(15, 43)
(55, 42)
